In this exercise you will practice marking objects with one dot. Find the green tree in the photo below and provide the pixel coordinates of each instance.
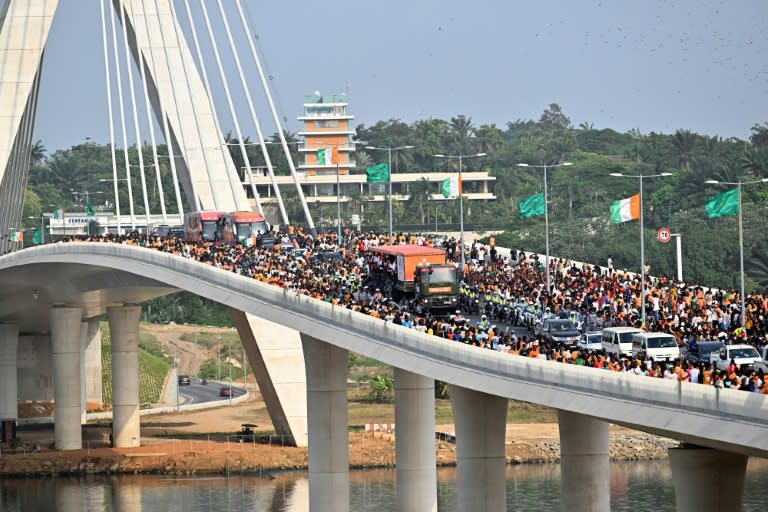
(684, 143)
(419, 193)
(37, 154)
(553, 117)
(382, 388)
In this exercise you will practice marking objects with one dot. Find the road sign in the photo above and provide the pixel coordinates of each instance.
(664, 235)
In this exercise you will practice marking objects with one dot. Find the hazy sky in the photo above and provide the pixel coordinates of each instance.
(701, 65)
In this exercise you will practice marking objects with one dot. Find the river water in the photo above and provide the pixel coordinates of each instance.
(635, 486)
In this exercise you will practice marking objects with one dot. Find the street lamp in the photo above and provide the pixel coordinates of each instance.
(218, 358)
(641, 177)
(738, 184)
(546, 214)
(461, 200)
(389, 156)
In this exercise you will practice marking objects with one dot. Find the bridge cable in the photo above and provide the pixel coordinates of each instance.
(225, 83)
(222, 148)
(122, 120)
(185, 62)
(179, 135)
(161, 113)
(139, 146)
(276, 119)
(110, 115)
(254, 117)
(142, 73)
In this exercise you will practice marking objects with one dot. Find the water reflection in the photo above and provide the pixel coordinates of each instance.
(639, 486)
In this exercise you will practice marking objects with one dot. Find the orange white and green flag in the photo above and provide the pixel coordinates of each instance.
(625, 209)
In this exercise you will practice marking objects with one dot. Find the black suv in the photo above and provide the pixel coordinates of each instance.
(184, 380)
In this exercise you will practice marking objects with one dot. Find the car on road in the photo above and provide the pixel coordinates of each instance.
(744, 356)
(321, 257)
(225, 391)
(560, 330)
(184, 380)
(700, 351)
(591, 340)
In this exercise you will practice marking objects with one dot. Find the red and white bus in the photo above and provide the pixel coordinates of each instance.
(248, 226)
(208, 226)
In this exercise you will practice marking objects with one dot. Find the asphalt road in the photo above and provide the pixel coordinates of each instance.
(197, 393)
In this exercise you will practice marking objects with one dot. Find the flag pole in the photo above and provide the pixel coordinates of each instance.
(741, 263)
(338, 206)
(389, 172)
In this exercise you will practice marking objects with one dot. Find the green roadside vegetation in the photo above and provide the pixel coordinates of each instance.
(153, 367)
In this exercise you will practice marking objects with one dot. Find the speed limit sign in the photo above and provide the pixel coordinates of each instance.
(664, 235)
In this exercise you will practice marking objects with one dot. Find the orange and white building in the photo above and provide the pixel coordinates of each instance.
(327, 126)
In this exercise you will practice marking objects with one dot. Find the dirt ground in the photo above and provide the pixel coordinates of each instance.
(207, 441)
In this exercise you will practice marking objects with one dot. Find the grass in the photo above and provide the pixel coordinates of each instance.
(362, 410)
(210, 340)
(153, 370)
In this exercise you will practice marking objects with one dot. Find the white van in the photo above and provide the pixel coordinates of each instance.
(657, 346)
(618, 340)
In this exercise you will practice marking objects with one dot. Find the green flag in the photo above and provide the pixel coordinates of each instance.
(723, 204)
(89, 210)
(532, 206)
(37, 236)
(378, 173)
(450, 187)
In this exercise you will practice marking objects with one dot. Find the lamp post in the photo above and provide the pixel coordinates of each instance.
(389, 193)
(739, 184)
(546, 215)
(461, 201)
(218, 359)
(642, 177)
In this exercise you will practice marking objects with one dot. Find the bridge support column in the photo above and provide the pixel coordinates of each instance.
(92, 368)
(416, 471)
(584, 470)
(707, 480)
(66, 343)
(327, 419)
(124, 327)
(9, 379)
(276, 356)
(481, 422)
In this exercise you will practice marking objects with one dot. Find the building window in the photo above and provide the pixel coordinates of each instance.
(328, 123)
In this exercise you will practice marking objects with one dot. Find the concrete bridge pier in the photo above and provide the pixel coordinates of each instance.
(707, 480)
(327, 420)
(9, 387)
(416, 471)
(481, 423)
(66, 344)
(92, 389)
(124, 327)
(584, 463)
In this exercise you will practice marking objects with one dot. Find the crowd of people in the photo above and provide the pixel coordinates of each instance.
(593, 296)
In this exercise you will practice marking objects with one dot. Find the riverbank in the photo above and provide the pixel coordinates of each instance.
(206, 442)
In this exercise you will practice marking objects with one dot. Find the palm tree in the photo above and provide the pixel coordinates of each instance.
(754, 161)
(462, 125)
(420, 191)
(684, 143)
(37, 154)
(65, 175)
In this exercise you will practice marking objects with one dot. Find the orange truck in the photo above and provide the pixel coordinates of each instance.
(421, 274)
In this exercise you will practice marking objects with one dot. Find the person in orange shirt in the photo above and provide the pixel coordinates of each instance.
(706, 376)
